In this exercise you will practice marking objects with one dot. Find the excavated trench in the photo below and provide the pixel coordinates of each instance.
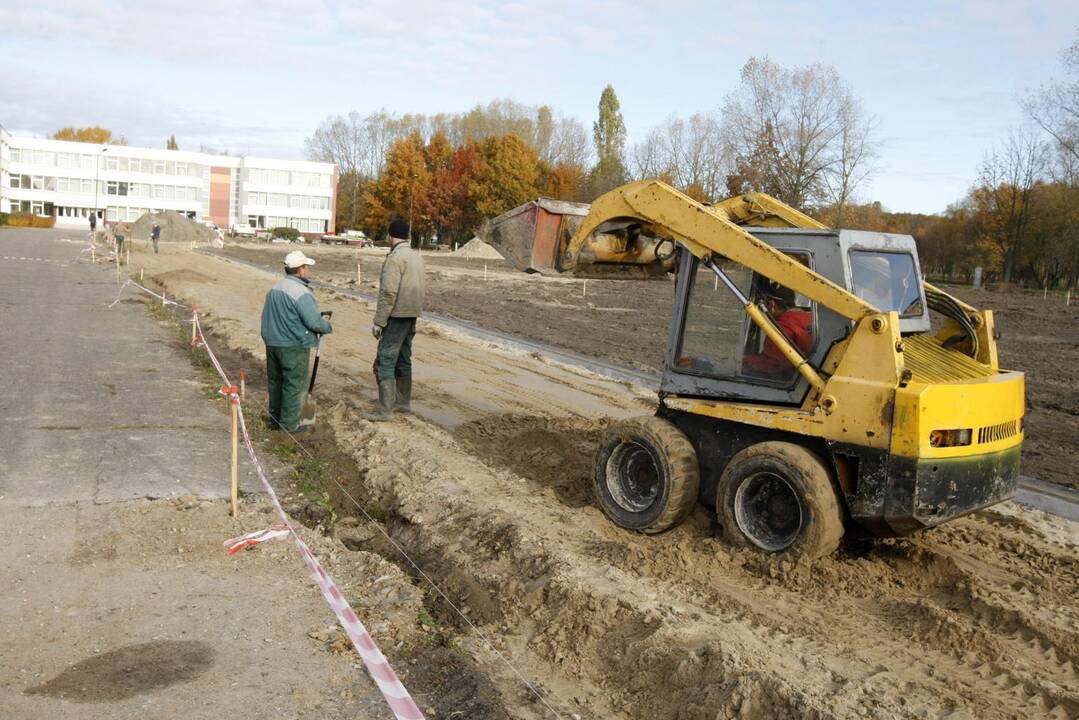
(975, 619)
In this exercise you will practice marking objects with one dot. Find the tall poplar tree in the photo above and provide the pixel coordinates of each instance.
(609, 135)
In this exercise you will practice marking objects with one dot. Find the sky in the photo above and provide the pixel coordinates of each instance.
(943, 79)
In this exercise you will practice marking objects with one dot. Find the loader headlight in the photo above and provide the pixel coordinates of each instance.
(950, 438)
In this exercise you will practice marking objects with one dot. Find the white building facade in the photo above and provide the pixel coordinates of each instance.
(70, 181)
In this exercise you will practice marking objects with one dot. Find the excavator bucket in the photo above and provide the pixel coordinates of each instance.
(531, 237)
(534, 237)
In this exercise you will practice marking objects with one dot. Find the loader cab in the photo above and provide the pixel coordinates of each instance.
(716, 351)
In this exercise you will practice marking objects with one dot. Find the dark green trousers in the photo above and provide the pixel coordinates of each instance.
(286, 379)
(394, 357)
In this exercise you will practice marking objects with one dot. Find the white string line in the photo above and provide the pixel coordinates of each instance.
(397, 546)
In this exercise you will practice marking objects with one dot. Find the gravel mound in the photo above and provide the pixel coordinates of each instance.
(476, 248)
(174, 228)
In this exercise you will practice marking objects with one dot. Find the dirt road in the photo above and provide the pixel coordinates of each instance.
(488, 486)
(627, 323)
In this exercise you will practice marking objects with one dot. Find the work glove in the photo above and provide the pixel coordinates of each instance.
(376, 331)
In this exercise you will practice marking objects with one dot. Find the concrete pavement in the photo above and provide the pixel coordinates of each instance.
(119, 600)
(105, 409)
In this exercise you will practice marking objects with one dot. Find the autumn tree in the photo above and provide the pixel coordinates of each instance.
(446, 200)
(171, 143)
(798, 134)
(509, 176)
(1005, 198)
(97, 135)
(393, 194)
(609, 138)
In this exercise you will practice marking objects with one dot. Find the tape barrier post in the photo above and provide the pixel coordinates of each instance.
(243, 384)
(232, 393)
(194, 325)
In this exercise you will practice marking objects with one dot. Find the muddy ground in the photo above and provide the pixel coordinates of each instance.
(486, 486)
(628, 323)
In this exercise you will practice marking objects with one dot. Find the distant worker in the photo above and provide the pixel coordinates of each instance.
(93, 222)
(155, 235)
(400, 302)
(796, 323)
(291, 325)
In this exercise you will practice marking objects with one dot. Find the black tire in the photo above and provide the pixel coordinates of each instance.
(778, 497)
(646, 477)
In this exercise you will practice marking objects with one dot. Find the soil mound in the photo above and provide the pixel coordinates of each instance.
(174, 228)
(476, 248)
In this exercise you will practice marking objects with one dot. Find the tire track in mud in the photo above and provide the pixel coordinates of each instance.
(940, 610)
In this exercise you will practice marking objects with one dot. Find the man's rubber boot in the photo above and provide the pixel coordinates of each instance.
(387, 391)
(403, 403)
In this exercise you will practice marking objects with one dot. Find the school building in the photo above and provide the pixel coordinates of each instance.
(69, 181)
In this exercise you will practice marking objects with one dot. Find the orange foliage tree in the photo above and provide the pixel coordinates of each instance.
(95, 134)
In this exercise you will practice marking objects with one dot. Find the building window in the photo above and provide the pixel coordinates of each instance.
(86, 185)
(37, 182)
(16, 156)
(159, 167)
(112, 163)
(113, 187)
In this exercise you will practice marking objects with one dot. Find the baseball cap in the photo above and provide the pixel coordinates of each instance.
(296, 259)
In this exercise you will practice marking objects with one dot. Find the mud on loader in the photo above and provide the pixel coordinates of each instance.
(802, 388)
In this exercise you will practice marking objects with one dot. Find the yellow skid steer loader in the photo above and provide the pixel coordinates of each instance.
(811, 393)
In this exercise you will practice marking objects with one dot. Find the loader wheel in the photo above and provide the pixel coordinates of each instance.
(646, 475)
(778, 497)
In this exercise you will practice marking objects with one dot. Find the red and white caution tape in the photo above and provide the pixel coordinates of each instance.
(397, 697)
(236, 544)
(164, 300)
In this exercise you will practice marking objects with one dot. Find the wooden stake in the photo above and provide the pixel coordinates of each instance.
(715, 287)
(1069, 301)
(485, 272)
(359, 274)
(584, 288)
(235, 457)
(93, 256)
(194, 325)
(140, 274)
(127, 260)
(243, 383)
(117, 269)
(1045, 292)
(162, 297)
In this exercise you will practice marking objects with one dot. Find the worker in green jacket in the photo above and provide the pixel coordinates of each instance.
(291, 325)
(400, 302)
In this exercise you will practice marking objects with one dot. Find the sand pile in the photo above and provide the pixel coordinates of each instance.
(174, 228)
(476, 248)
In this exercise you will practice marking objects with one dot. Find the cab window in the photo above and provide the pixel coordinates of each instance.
(720, 340)
(887, 280)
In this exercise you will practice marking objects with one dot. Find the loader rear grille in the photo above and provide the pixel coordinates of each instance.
(1000, 431)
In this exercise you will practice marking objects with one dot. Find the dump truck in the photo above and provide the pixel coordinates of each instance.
(804, 390)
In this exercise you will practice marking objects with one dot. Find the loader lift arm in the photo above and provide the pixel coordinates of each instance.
(711, 231)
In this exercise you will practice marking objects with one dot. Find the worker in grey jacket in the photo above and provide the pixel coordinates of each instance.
(400, 302)
(291, 325)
